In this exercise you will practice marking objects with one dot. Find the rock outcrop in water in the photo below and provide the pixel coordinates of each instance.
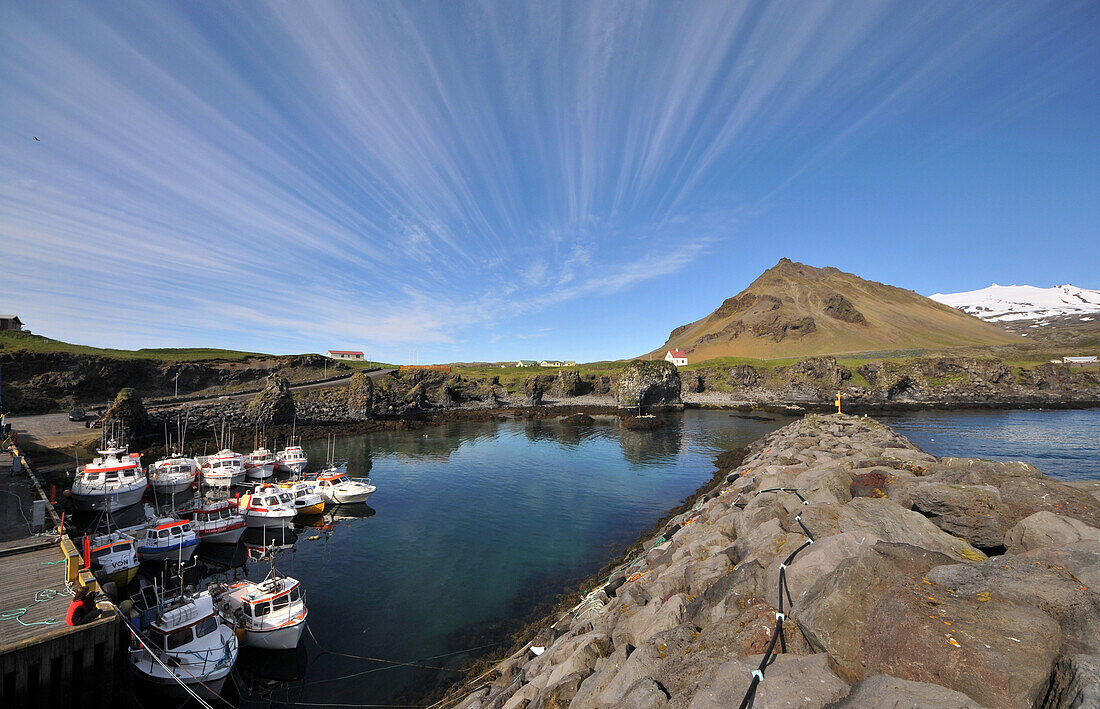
(648, 385)
(946, 582)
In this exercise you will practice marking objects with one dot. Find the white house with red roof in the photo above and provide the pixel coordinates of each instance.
(677, 357)
(345, 354)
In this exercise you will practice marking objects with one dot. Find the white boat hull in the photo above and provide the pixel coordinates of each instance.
(95, 502)
(269, 522)
(171, 488)
(260, 472)
(285, 638)
(204, 679)
(341, 498)
(295, 468)
(228, 536)
(222, 481)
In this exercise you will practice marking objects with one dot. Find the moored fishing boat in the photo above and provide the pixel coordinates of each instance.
(307, 500)
(173, 474)
(292, 459)
(186, 644)
(338, 489)
(114, 558)
(217, 521)
(224, 469)
(260, 464)
(167, 539)
(268, 506)
(111, 481)
(270, 614)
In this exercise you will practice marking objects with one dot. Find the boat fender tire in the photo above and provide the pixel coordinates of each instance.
(78, 612)
(672, 531)
(731, 478)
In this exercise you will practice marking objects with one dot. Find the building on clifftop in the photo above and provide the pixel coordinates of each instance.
(10, 322)
(345, 354)
(677, 357)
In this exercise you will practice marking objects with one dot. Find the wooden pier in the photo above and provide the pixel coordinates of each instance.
(44, 662)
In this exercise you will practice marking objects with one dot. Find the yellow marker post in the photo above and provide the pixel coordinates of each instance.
(838, 401)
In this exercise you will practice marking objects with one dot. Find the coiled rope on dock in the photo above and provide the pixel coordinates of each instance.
(41, 596)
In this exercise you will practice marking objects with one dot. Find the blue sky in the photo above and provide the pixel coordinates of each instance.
(484, 181)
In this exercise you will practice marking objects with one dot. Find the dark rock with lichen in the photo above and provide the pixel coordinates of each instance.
(360, 397)
(126, 416)
(649, 385)
(274, 405)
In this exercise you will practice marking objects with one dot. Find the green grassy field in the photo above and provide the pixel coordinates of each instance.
(25, 341)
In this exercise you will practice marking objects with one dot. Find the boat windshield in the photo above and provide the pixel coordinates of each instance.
(176, 639)
(206, 626)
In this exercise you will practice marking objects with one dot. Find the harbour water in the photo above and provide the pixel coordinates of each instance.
(474, 522)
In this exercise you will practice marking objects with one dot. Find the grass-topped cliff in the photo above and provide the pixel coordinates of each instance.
(27, 342)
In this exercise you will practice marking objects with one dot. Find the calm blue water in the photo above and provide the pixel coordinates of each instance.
(1063, 444)
(476, 521)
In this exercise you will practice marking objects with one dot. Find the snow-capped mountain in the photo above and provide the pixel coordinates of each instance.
(1009, 303)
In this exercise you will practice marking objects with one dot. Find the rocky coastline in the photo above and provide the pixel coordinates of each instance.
(908, 580)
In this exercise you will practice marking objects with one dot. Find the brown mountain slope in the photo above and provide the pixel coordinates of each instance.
(793, 310)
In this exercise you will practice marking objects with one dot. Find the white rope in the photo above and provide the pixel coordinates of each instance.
(173, 675)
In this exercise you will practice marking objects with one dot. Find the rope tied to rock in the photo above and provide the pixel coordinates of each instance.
(781, 616)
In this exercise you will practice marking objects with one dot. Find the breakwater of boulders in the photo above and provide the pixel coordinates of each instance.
(837, 566)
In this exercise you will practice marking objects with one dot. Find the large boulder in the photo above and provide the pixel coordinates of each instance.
(973, 512)
(791, 681)
(274, 404)
(998, 652)
(1075, 683)
(649, 385)
(1045, 585)
(1046, 529)
(889, 521)
(833, 611)
(126, 417)
(886, 692)
(360, 396)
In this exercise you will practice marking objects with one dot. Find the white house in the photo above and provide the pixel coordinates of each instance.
(550, 363)
(677, 357)
(345, 354)
(1091, 359)
(527, 363)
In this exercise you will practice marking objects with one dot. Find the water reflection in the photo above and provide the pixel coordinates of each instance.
(655, 445)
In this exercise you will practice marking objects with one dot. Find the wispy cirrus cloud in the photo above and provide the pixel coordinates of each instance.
(280, 175)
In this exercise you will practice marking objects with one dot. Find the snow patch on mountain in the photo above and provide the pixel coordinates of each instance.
(1007, 303)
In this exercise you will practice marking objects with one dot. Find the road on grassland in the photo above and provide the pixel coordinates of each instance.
(56, 430)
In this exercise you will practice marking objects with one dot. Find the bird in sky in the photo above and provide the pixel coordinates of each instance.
(36, 138)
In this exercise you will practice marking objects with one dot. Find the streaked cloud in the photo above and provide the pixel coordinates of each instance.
(285, 175)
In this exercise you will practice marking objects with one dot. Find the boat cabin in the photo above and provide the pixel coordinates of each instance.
(168, 532)
(213, 513)
(112, 547)
(267, 497)
(264, 605)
